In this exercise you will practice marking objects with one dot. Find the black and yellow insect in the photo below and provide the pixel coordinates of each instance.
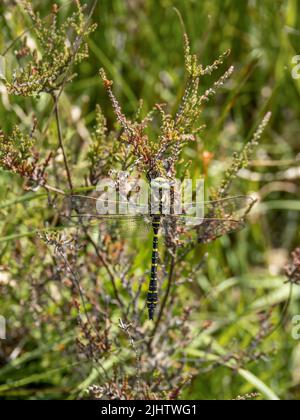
(152, 297)
(220, 217)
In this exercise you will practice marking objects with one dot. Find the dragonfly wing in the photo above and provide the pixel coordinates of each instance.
(115, 226)
(214, 219)
(98, 206)
(211, 229)
(90, 212)
(204, 231)
(234, 208)
(120, 228)
(231, 207)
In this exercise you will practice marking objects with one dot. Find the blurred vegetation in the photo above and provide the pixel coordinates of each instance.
(227, 330)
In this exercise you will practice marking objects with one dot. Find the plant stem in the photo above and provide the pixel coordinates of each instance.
(77, 44)
(106, 266)
(56, 190)
(60, 142)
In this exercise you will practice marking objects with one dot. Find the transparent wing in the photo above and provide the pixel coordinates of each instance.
(83, 211)
(231, 207)
(115, 227)
(208, 220)
(100, 207)
(224, 216)
(206, 231)
(218, 218)
(121, 227)
(211, 229)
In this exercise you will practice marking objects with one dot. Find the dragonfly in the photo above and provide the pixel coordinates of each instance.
(219, 218)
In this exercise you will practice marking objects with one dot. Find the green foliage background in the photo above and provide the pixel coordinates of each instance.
(139, 43)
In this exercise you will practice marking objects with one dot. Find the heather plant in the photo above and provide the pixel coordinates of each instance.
(159, 157)
(75, 291)
(58, 47)
(293, 270)
(17, 155)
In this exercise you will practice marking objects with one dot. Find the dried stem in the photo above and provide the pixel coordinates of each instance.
(60, 141)
(77, 44)
(105, 265)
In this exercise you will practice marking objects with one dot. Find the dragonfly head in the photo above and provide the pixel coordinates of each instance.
(152, 174)
(161, 183)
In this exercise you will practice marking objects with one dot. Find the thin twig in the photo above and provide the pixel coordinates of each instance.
(56, 96)
(126, 329)
(19, 37)
(60, 141)
(81, 294)
(76, 278)
(77, 45)
(53, 189)
(106, 266)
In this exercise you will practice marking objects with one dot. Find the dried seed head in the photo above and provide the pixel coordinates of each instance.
(55, 8)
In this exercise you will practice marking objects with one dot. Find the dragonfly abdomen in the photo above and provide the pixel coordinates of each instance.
(152, 298)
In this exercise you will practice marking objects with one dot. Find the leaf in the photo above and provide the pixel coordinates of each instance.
(258, 384)
(35, 354)
(274, 298)
(286, 205)
(246, 374)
